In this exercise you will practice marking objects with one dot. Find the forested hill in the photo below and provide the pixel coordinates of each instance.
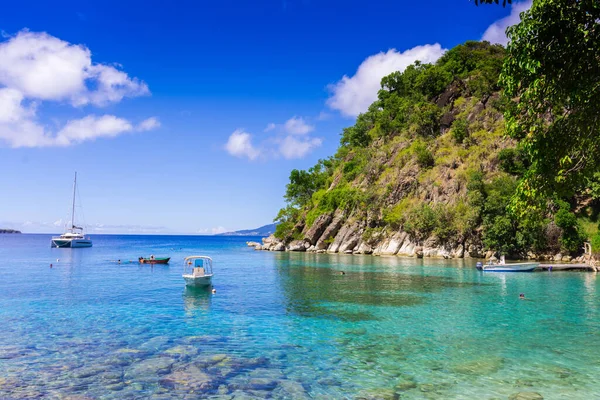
(264, 230)
(428, 170)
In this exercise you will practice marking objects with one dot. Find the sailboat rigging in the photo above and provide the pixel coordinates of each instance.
(74, 236)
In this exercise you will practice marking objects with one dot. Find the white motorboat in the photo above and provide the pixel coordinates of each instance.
(74, 236)
(197, 271)
(502, 266)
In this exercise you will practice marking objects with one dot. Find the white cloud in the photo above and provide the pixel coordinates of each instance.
(496, 33)
(44, 67)
(323, 116)
(148, 124)
(293, 126)
(91, 127)
(143, 229)
(36, 68)
(212, 231)
(288, 140)
(217, 230)
(294, 147)
(353, 95)
(27, 132)
(297, 126)
(11, 110)
(239, 144)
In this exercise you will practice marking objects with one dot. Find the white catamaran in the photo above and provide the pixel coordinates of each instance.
(74, 236)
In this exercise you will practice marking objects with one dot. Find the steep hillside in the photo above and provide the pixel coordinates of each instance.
(426, 171)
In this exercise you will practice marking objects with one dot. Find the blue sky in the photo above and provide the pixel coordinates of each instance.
(187, 117)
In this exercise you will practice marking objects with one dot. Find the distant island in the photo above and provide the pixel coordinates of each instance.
(9, 231)
(265, 230)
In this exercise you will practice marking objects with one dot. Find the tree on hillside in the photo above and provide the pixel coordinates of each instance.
(552, 75)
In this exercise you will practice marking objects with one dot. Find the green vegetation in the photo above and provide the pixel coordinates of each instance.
(596, 245)
(551, 74)
(460, 130)
(431, 157)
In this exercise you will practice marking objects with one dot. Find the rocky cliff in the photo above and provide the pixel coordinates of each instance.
(427, 171)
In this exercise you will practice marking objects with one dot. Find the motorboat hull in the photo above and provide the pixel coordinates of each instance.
(71, 243)
(155, 261)
(199, 281)
(522, 267)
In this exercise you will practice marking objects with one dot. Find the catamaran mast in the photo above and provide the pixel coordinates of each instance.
(73, 209)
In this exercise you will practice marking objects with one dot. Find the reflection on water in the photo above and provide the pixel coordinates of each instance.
(314, 288)
(196, 299)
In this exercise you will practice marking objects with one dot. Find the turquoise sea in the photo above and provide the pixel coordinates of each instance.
(286, 325)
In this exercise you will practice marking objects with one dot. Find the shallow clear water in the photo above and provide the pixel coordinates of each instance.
(286, 325)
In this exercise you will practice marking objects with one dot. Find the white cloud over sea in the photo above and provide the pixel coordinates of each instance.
(37, 68)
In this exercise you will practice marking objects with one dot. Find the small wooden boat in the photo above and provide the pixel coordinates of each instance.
(154, 260)
(502, 266)
(197, 271)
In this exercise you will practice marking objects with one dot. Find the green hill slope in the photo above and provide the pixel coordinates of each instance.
(426, 171)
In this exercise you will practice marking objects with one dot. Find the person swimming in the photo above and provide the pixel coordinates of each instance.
(522, 296)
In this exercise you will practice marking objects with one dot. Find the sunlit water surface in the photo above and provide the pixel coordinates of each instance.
(286, 325)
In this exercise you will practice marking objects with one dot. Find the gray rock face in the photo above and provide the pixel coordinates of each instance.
(317, 229)
(350, 241)
(347, 239)
(339, 239)
(329, 232)
(271, 243)
(391, 246)
(297, 245)
(419, 251)
(364, 248)
(459, 251)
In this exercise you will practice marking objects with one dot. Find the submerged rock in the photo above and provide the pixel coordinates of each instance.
(182, 351)
(150, 367)
(378, 394)
(483, 366)
(288, 389)
(404, 385)
(190, 379)
(155, 343)
(526, 396)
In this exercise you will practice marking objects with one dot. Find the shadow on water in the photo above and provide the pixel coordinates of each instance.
(315, 288)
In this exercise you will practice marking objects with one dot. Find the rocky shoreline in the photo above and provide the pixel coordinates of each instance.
(329, 234)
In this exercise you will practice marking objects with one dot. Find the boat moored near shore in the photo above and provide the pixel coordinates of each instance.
(502, 266)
